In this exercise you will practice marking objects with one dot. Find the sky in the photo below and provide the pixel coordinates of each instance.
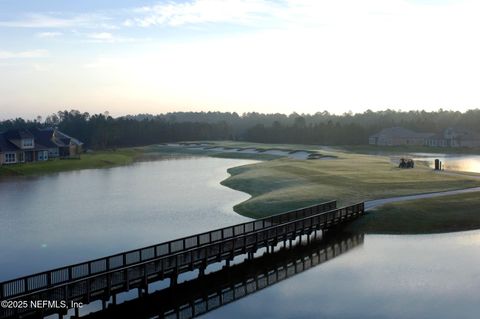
(304, 56)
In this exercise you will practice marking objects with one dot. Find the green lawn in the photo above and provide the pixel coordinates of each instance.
(430, 215)
(101, 159)
(284, 184)
(280, 184)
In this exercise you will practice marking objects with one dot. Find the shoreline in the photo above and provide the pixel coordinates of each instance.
(278, 183)
(93, 160)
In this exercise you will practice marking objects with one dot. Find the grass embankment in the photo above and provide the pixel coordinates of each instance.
(425, 216)
(101, 159)
(258, 146)
(229, 150)
(285, 184)
(259, 156)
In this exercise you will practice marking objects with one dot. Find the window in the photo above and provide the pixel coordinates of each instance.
(10, 158)
(21, 157)
(27, 142)
(43, 155)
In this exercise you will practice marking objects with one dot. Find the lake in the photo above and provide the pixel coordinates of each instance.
(54, 220)
(427, 276)
(65, 218)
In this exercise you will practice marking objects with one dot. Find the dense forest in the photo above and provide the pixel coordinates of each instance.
(103, 131)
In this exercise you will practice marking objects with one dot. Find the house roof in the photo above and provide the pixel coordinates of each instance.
(5, 145)
(63, 139)
(44, 137)
(17, 134)
(401, 132)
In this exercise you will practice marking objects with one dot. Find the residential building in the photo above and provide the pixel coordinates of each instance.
(395, 136)
(32, 145)
(458, 137)
(437, 140)
(451, 137)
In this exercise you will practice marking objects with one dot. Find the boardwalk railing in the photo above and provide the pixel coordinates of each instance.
(96, 282)
(201, 295)
(44, 280)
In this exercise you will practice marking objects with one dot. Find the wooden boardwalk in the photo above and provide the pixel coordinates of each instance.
(103, 278)
(206, 293)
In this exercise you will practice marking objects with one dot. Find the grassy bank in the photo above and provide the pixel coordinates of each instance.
(284, 184)
(278, 184)
(210, 148)
(431, 215)
(101, 159)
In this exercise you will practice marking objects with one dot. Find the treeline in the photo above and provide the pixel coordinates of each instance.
(104, 131)
(101, 131)
(299, 133)
(422, 121)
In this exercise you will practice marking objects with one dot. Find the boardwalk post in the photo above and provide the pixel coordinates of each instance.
(201, 270)
(173, 280)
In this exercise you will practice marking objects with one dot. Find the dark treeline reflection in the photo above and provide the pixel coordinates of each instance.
(104, 131)
(209, 292)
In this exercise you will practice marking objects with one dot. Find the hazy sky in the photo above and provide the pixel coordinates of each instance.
(131, 57)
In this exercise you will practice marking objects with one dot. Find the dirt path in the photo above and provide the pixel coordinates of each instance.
(379, 202)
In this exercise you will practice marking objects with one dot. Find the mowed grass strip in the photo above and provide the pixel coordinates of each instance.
(101, 159)
(431, 215)
(285, 184)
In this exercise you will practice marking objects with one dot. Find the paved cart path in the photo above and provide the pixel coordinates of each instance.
(379, 202)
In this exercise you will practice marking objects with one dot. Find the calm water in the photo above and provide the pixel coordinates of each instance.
(55, 220)
(70, 217)
(434, 276)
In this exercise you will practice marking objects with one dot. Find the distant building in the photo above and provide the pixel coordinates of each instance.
(437, 140)
(461, 138)
(32, 145)
(452, 137)
(395, 136)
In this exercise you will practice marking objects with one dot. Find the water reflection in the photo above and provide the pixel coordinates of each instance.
(431, 276)
(206, 293)
(66, 218)
(464, 163)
